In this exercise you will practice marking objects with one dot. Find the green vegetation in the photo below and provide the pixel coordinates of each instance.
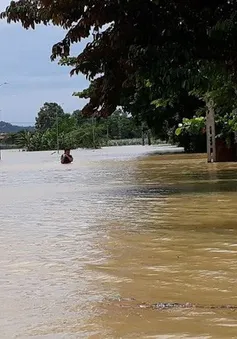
(55, 128)
(162, 61)
(191, 134)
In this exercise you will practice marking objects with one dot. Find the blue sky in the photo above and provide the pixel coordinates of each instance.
(33, 79)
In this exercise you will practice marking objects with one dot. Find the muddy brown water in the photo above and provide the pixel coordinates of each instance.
(118, 223)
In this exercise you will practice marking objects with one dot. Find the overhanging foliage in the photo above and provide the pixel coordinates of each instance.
(137, 42)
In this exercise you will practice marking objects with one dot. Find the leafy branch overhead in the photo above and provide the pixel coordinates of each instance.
(142, 51)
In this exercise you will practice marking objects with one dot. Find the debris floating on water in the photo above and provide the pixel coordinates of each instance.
(171, 305)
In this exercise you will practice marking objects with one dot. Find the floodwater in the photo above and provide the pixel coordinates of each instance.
(120, 222)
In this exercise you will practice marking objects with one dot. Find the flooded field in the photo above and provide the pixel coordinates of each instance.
(118, 223)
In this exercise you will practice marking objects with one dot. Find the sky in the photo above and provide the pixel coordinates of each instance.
(32, 78)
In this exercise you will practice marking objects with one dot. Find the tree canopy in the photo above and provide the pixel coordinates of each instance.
(54, 128)
(154, 46)
(48, 115)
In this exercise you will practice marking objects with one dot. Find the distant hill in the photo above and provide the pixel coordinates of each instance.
(6, 127)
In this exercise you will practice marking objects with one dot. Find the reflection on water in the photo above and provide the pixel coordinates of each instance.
(118, 222)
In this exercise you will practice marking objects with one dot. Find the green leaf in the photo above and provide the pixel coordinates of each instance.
(178, 131)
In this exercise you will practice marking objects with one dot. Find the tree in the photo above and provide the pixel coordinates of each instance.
(24, 140)
(66, 123)
(136, 44)
(48, 116)
(80, 118)
(120, 125)
(191, 135)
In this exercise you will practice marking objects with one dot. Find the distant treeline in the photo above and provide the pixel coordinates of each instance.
(56, 129)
